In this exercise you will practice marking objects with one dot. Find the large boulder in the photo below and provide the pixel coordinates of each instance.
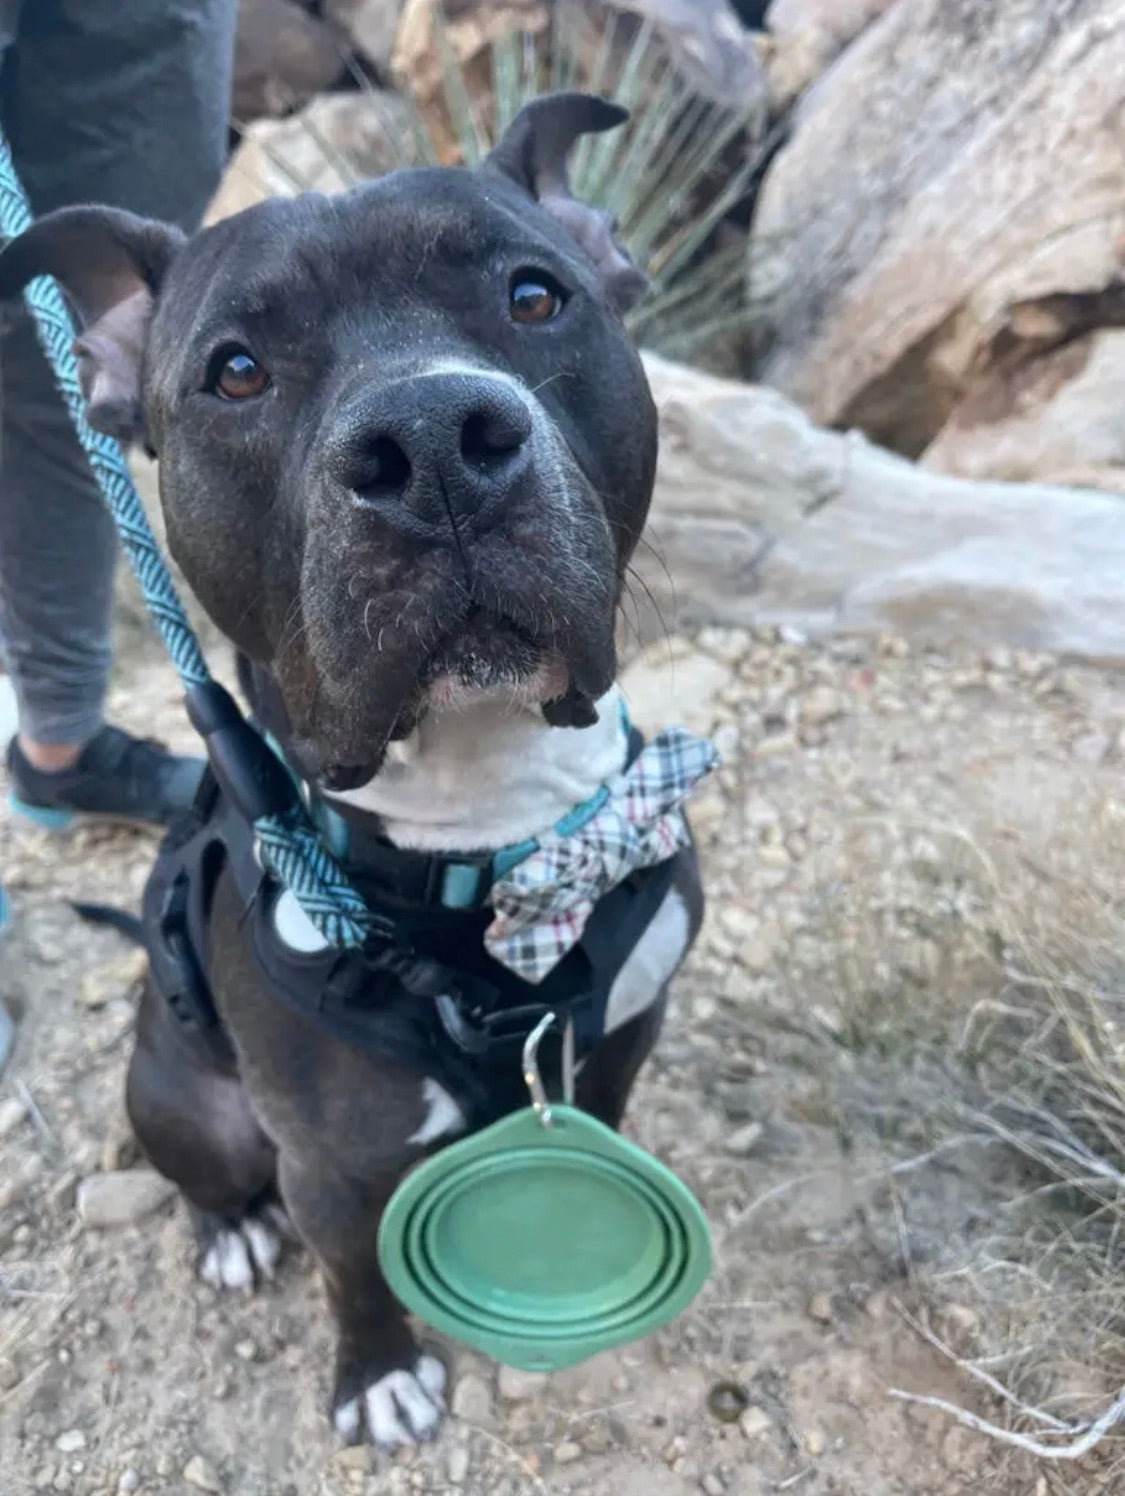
(334, 142)
(762, 517)
(1056, 417)
(959, 159)
(370, 26)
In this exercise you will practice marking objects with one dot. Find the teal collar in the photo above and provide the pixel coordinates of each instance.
(462, 884)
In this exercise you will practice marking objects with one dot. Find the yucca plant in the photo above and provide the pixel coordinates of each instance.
(670, 177)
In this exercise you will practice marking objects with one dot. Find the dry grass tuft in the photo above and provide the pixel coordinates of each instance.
(998, 971)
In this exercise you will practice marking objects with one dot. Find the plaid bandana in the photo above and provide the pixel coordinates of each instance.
(542, 904)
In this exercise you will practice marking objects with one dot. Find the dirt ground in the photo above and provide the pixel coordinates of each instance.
(798, 1089)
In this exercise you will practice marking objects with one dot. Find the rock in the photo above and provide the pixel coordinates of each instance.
(674, 1449)
(742, 1142)
(805, 35)
(815, 1442)
(567, 1452)
(118, 1199)
(947, 125)
(355, 1457)
(840, 21)
(457, 1465)
(119, 1150)
(762, 518)
(684, 689)
(9, 1374)
(712, 1484)
(822, 704)
(129, 1480)
(71, 1442)
(201, 1473)
(517, 1386)
(472, 1399)
(370, 26)
(755, 1422)
(102, 984)
(282, 57)
(1051, 417)
(246, 1350)
(333, 143)
(16, 1185)
(12, 1115)
(820, 1309)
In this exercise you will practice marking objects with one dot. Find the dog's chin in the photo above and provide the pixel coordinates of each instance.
(476, 678)
(488, 661)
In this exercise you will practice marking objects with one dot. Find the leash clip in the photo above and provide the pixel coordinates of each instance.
(531, 1075)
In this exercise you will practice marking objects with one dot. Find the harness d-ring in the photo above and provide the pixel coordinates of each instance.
(531, 1075)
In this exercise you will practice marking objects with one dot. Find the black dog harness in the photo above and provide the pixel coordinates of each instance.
(423, 992)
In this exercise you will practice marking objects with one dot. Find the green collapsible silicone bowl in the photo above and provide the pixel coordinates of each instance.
(541, 1246)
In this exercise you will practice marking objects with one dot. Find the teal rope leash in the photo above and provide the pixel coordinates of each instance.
(242, 762)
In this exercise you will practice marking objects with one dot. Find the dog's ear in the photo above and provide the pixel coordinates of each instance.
(533, 153)
(110, 265)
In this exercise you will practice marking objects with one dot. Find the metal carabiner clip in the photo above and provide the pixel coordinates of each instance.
(531, 1075)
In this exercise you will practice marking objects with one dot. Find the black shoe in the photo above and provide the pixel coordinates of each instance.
(116, 778)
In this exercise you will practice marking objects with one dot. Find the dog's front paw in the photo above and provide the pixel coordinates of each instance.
(392, 1408)
(237, 1255)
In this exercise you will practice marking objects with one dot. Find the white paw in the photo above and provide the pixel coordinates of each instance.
(402, 1407)
(238, 1257)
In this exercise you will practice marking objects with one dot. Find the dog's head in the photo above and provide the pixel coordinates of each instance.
(406, 447)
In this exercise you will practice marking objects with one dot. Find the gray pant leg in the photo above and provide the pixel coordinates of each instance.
(124, 102)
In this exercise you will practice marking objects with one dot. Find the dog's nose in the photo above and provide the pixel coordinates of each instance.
(438, 446)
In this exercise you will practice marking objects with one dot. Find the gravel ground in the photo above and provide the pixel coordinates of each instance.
(796, 1090)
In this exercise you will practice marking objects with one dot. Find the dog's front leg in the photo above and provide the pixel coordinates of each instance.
(385, 1389)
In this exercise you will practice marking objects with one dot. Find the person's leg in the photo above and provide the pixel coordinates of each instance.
(125, 104)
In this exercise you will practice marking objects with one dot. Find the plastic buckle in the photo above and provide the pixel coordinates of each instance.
(246, 769)
(176, 969)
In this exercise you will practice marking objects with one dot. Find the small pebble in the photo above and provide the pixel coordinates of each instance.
(355, 1457)
(457, 1466)
(820, 1308)
(814, 1442)
(118, 1199)
(12, 1114)
(567, 1452)
(199, 1473)
(246, 1350)
(9, 1375)
(755, 1422)
(673, 1449)
(128, 1480)
(70, 1442)
(713, 1484)
(472, 1399)
(744, 1140)
(165, 1465)
(517, 1386)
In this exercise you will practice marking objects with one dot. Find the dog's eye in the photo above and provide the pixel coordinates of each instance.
(237, 375)
(533, 298)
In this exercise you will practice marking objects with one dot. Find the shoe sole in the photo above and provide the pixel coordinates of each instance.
(54, 818)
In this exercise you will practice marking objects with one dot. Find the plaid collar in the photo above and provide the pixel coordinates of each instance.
(542, 901)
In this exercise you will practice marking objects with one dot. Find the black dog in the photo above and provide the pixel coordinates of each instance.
(406, 450)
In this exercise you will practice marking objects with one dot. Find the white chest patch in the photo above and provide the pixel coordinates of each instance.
(484, 776)
(443, 1116)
